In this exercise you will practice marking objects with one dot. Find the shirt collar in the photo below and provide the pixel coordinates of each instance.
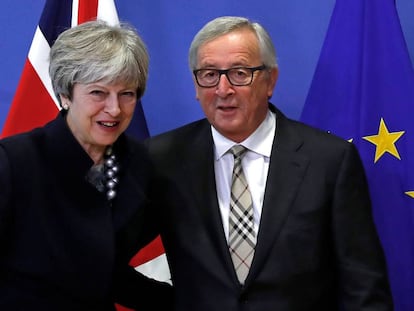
(260, 141)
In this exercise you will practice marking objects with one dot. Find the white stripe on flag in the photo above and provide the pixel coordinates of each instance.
(156, 268)
(107, 12)
(75, 10)
(39, 58)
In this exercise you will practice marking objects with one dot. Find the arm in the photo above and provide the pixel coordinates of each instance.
(5, 194)
(135, 290)
(362, 270)
(131, 288)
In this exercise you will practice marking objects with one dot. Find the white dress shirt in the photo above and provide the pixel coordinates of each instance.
(255, 165)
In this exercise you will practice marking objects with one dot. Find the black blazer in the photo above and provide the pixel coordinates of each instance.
(317, 246)
(63, 245)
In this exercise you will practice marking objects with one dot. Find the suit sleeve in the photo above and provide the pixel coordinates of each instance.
(137, 291)
(5, 194)
(131, 288)
(362, 270)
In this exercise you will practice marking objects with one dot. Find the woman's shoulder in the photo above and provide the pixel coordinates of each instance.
(21, 144)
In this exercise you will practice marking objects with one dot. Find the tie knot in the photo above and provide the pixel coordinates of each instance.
(238, 151)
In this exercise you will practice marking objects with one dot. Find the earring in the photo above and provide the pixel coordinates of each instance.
(65, 106)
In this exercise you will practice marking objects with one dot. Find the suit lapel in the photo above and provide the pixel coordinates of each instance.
(202, 185)
(286, 170)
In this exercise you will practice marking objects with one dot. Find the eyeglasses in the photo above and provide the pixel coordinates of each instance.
(237, 76)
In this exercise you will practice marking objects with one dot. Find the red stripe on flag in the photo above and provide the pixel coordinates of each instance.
(32, 105)
(88, 10)
(149, 252)
(122, 308)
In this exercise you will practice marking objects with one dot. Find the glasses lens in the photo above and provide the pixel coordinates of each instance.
(240, 76)
(207, 77)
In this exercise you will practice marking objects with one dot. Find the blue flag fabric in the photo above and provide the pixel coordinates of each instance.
(138, 127)
(363, 91)
(55, 18)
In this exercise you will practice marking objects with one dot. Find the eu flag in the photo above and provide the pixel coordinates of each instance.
(363, 91)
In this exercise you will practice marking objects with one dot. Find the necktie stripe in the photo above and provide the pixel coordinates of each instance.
(241, 227)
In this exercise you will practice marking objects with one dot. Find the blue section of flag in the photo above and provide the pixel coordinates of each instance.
(364, 75)
(138, 127)
(56, 17)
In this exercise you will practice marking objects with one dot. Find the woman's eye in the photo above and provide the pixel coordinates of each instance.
(128, 94)
(96, 92)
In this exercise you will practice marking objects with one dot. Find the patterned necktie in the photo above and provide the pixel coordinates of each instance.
(242, 237)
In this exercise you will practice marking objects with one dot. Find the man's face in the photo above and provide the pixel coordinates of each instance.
(235, 111)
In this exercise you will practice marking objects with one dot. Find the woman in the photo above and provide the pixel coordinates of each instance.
(71, 189)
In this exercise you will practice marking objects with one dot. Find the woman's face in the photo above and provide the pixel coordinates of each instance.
(99, 113)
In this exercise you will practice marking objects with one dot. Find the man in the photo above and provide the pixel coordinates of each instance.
(308, 240)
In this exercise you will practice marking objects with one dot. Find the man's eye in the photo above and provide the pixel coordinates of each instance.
(208, 74)
(241, 73)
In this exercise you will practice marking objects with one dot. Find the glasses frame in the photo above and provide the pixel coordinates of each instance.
(225, 72)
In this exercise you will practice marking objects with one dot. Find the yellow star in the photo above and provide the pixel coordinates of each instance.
(410, 194)
(385, 141)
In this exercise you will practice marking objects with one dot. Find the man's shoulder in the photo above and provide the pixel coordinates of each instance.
(182, 140)
(188, 130)
(313, 134)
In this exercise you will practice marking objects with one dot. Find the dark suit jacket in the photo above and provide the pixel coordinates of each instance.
(63, 245)
(317, 246)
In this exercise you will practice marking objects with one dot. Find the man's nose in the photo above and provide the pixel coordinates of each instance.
(224, 87)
